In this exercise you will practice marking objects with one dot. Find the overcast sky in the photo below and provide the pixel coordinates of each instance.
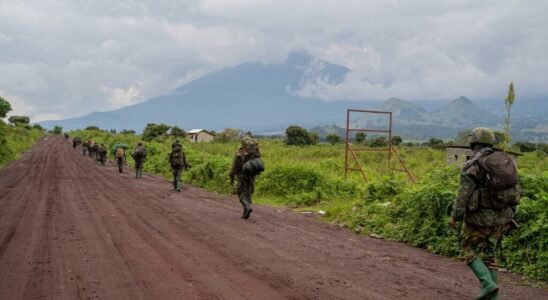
(67, 58)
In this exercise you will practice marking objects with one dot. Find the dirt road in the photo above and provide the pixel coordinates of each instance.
(71, 229)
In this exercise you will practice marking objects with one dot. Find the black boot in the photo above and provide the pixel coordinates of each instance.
(247, 210)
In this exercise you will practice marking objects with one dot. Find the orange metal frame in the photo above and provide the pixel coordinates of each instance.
(390, 149)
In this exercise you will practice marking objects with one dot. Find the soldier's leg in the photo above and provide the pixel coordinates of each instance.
(242, 195)
(247, 190)
(137, 163)
(179, 171)
(474, 243)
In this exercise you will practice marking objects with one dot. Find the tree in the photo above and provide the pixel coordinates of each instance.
(313, 138)
(153, 131)
(526, 146)
(113, 131)
(19, 120)
(333, 138)
(435, 143)
(93, 127)
(5, 108)
(38, 127)
(509, 101)
(378, 142)
(396, 140)
(177, 132)
(296, 135)
(57, 129)
(360, 137)
(127, 131)
(228, 135)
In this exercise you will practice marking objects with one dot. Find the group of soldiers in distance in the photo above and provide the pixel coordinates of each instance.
(98, 151)
(246, 165)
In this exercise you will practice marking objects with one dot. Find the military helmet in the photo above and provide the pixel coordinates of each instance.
(246, 140)
(482, 135)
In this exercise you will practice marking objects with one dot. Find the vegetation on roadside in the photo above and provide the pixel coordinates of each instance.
(312, 178)
(17, 136)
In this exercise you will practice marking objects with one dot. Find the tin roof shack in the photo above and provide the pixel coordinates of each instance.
(460, 154)
(200, 135)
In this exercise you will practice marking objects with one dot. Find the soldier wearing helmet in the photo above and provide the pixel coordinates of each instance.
(484, 222)
(246, 183)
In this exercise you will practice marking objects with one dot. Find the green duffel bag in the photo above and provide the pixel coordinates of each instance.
(253, 167)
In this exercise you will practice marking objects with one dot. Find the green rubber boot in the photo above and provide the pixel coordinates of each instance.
(488, 286)
(494, 275)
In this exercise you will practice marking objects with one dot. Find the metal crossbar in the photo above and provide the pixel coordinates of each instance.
(391, 150)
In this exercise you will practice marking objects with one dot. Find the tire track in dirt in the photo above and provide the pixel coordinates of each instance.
(83, 231)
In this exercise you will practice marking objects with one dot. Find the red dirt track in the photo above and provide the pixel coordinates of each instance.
(72, 229)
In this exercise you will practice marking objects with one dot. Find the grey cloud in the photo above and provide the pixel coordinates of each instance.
(70, 58)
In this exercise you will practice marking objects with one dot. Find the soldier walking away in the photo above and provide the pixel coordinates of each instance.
(85, 146)
(92, 148)
(177, 160)
(120, 155)
(486, 202)
(66, 136)
(140, 156)
(76, 141)
(245, 170)
(101, 154)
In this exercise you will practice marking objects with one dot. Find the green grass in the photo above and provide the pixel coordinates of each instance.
(14, 140)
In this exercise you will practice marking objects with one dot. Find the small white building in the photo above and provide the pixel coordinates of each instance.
(200, 135)
(460, 154)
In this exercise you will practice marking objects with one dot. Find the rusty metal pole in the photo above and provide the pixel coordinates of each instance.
(347, 143)
(390, 141)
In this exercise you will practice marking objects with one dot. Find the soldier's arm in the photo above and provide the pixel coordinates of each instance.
(466, 189)
(233, 170)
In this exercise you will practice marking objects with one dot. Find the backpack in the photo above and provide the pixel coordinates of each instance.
(253, 167)
(501, 180)
(120, 153)
(139, 153)
(177, 156)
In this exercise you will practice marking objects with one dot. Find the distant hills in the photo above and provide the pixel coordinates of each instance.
(264, 99)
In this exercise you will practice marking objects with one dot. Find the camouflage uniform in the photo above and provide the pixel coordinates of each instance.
(139, 160)
(484, 225)
(101, 154)
(85, 146)
(246, 184)
(177, 164)
(120, 161)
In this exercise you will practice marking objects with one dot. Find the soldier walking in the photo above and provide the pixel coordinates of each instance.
(140, 156)
(177, 160)
(85, 146)
(120, 155)
(486, 202)
(101, 154)
(92, 148)
(246, 179)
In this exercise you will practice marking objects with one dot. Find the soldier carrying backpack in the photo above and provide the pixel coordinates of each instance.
(120, 155)
(140, 156)
(246, 165)
(177, 161)
(486, 201)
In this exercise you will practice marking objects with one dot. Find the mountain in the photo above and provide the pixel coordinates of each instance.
(250, 96)
(265, 99)
(462, 113)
